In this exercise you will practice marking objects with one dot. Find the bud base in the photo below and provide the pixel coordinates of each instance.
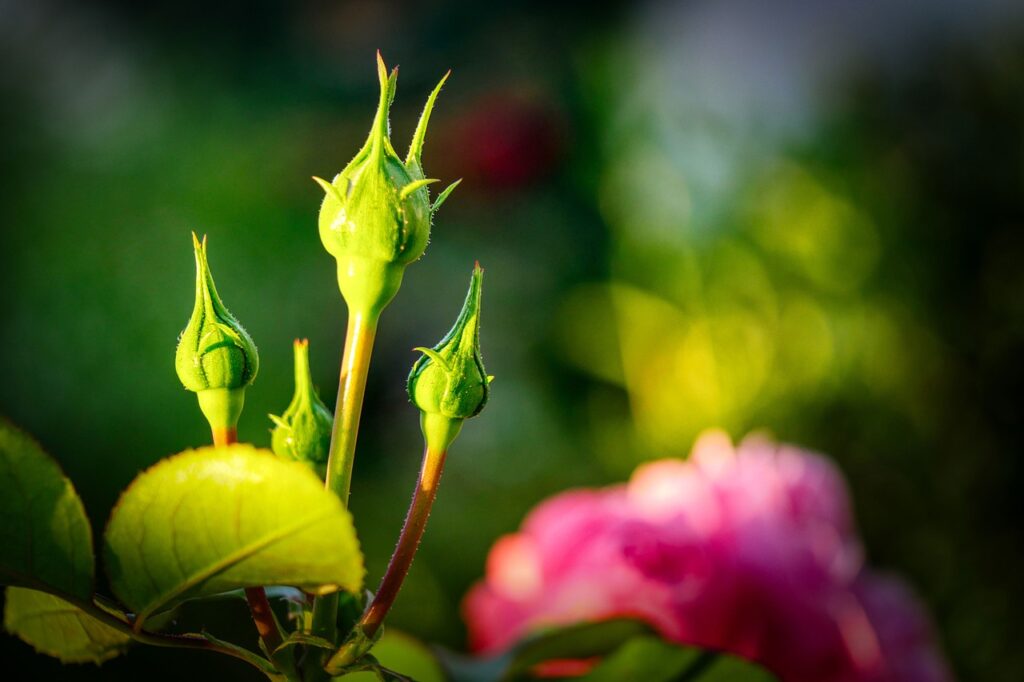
(222, 406)
(368, 285)
(438, 430)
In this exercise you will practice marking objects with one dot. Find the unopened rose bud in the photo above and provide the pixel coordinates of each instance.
(449, 383)
(216, 358)
(303, 432)
(376, 213)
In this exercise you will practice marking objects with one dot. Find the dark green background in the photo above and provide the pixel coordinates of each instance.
(607, 232)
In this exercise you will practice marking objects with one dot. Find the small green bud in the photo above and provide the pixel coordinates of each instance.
(449, 383)
(376, 213)
(216, 357)
(303, 432)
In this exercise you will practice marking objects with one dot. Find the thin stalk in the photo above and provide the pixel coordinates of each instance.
(259, 606)
(263, 617)
(122, 623)
(355, 365)
(401, 560)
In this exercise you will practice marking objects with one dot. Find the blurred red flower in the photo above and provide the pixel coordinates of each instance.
(505, 141)
(749, 550)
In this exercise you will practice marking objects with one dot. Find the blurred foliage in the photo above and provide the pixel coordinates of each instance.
(860, 293)
(855, 288)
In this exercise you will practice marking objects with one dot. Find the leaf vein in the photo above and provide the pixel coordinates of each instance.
(229, 561)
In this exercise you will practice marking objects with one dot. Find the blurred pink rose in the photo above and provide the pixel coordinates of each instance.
(749, 550)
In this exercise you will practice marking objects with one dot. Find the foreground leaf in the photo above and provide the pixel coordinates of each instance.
(219, 518)
(45, 538)
(56, 628)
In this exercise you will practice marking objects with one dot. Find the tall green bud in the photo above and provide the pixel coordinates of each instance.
(376, 213)
(216, 358)
(303, 431)
(449, 383)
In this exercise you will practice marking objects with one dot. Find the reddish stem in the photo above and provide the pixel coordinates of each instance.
(408, 542)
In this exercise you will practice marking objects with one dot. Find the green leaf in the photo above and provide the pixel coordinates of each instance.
(732, 669)
(629, 649)
(645, 658)
(56, 628)
(582, 640)
(45, 538)
(403, 654)
(652, 659)
(219, 518)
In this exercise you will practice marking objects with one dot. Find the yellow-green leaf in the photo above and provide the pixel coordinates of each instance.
(45, 538)
(56, 628)
(219, 518)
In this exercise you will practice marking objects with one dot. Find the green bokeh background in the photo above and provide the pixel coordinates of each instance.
(798, 217)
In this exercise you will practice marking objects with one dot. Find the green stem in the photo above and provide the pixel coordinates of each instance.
(401, 560)
(355, 365)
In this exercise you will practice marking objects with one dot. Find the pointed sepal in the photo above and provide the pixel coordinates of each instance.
(415, 185)
(415, 155)
(443, 196)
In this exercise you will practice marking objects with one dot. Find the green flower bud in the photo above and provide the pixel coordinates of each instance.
(303, 432)
(449, 383)
(375, 217)
(216, 357)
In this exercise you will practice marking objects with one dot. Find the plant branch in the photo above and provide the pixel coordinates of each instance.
(115, 618)
(401, 560)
